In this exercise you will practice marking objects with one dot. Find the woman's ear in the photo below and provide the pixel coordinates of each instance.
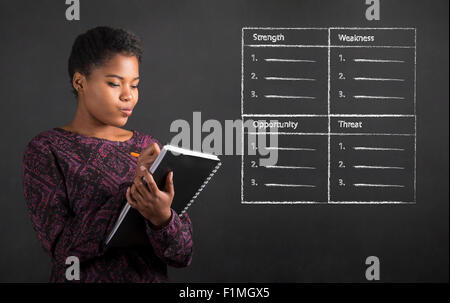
(78, 81)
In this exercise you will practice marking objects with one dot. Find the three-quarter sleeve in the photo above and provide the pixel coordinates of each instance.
(173, 243)
(63, 233)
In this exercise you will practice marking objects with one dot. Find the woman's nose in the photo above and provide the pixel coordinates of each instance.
(126, 94)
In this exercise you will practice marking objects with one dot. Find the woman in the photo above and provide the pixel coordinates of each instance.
(77, 177)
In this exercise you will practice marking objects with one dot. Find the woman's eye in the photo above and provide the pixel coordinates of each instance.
(113, 84)
(134, 86)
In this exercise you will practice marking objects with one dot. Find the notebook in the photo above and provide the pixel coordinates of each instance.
(192, 170)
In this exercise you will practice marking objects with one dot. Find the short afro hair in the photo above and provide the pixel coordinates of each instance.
(96, 46)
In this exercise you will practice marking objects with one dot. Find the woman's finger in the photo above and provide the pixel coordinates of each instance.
(137, 197)
(142, 169)
(169, 184)
(142, 189)
(130, 200)
(151, 184)
(148, 155)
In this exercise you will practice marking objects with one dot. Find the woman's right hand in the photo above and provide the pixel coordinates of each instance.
(146, 158)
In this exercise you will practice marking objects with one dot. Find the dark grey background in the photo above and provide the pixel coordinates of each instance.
(192, 63)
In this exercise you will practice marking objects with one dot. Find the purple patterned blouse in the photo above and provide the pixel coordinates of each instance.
(74, 188)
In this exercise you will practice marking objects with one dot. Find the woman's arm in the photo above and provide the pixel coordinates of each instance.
(173, 243)
(61, 233)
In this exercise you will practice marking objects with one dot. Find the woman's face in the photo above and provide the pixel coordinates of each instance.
(110, 92)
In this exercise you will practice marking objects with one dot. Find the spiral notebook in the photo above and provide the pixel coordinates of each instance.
(192, 170)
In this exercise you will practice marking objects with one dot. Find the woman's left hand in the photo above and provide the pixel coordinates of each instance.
(152, 203)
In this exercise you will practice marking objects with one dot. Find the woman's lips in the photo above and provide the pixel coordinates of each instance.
(126, 112)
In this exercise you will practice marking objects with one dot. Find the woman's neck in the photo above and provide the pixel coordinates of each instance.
(108, 132)
(85, 124)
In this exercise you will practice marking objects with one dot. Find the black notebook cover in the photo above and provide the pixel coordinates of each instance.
(191, 172)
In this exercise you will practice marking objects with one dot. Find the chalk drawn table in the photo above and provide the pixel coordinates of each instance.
(345, 99)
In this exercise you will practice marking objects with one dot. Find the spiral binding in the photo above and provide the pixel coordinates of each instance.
(201, 188)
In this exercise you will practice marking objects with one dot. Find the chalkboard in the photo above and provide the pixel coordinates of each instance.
(359, 107)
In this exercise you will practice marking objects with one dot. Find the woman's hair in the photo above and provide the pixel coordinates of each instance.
(96, 46)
